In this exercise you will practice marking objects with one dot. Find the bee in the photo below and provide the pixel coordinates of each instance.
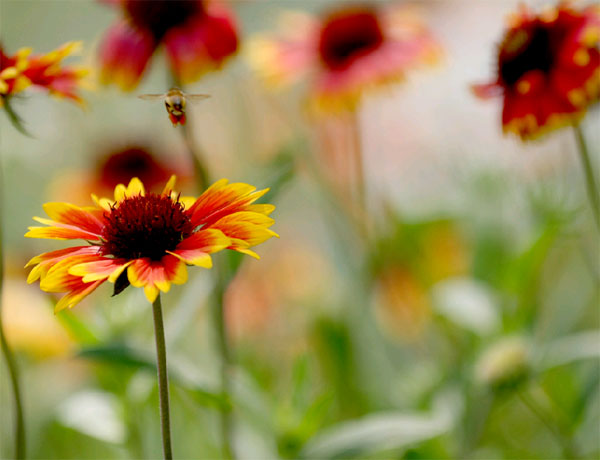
(175, 103)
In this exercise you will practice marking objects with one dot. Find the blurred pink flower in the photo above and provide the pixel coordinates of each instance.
(198, 36)
(351, 50)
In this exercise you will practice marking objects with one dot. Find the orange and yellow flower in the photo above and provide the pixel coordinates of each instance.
(45, 71)
(198, 36)
(146, 239)
(548, 69)
(352, 50)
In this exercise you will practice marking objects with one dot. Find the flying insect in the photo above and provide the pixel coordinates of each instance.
(175, 103)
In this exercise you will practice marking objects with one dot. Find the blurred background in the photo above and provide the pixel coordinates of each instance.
(465, 326)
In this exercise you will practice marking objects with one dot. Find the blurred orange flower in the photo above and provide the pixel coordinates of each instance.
(548, 69)
(23, 70)
(198, 36)
(146, 240)
(349, 51)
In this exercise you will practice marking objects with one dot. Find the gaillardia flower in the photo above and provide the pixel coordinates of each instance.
(548, 69)
(349, 51)
(198, 35)
(146, 239)
(23, 70)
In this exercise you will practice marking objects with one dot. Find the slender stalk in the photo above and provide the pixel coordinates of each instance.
(590, 180)
(11, 363)
(225, 356)
(546, 417)
(163, 380)
(357, 158)
(202, 181)
(200, 171)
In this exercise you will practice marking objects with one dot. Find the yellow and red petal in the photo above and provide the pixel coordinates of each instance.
(157, 275)
(250, 227)
(134, 188)
(45, 261)
(79, 291)
(58, 279)
(196, 248)
(221, 199)
(102, 269)
(124, 55)
(201, 44)
(75, 216)
(59, 232)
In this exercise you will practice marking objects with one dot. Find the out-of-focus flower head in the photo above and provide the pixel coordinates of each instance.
(406, 261)
(146, 239)
(46, 71)
(198, 36)
(504, 364)
(28, 321)
(548, 69)
(115, 165)
(349, 51)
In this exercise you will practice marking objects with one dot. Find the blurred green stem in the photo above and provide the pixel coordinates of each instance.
(359, 169)
(11, 363)
(545, 415)
(194, 152)
(225, 357)
(591, 184)
(163, 380)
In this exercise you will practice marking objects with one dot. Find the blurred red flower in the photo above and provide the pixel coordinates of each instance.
(349, 51)
(23, 70)
(548, 69)
(198, 36)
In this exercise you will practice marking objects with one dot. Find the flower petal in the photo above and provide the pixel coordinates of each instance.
(76, 295)
(196, 248)
(124, 55)
(70, 214)
(99, 270)
(156, 275)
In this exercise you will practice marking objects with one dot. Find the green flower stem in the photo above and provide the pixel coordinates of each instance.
(591, 184)
(538, 408)
(202, 182)
(11, 363)
(163, 380)
(200, 171)
(225, 357)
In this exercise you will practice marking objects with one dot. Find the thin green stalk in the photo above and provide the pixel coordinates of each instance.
(590, 180)
(547, 418)
(11, 363)
(202, 181)
(225, 357)
(200, 171)
(163, 380)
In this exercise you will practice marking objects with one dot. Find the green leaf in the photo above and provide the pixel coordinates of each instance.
(375, 433)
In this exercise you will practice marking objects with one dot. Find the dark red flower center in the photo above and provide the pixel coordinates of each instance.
(120, 167)
(145, 226)
(158, 16)
(347, 36)
(532, 48)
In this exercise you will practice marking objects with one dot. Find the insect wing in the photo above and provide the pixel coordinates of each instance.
(152, 97)
(196, 97)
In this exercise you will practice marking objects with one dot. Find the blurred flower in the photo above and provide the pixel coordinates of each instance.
(146, 239)
(28, 321)
(261, 301)
(22, 70)
(402, 303)
(198, 36)
(117, 165)
(504, 363)
(350, 51)
(548, 69)
(406, 263)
